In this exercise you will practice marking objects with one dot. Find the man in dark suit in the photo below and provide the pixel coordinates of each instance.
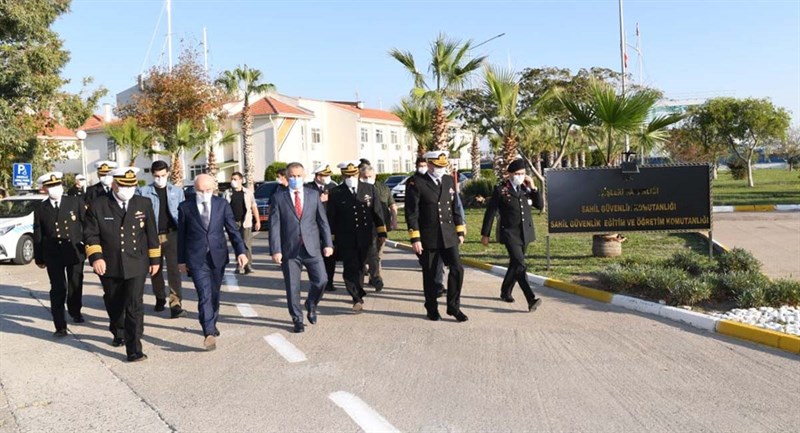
(356, 215)
(323, 184)
(436, 229)
(202, 224)
(121, 240)
(58, 247)
(103, 186)
(513, 199)
(299, 235)
(79, 189)
(375, 253)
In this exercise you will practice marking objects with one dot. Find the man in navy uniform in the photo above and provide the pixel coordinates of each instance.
(355, 215)
(323, 184)
(79, 189)
(103, 186)
(513, 199)
(436, 229)
(121, 238)
(58, 247)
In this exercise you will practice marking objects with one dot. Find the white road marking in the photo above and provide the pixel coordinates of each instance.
(230, 281)
(285, 348)
(366, 417)
(246, 310)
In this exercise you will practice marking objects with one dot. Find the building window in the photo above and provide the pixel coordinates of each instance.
(303, 137)
(408, 141)
(381, 166)
(315, 164)
(379, 136)
(111, 149)
(196, 169)
(396, 166)
(409, 165)
(393, 139)
(316, 138)
(364, 135)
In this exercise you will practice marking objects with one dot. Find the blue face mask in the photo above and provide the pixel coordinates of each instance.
(295, 183)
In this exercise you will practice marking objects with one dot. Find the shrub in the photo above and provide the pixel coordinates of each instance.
(748, 289)
(693, 263)
(660, 282)
(738, 169)
(783, 292)
(690, 291)
(477, 192)
(628, 279)
(488, 174)
(737, 260)
(271, 172)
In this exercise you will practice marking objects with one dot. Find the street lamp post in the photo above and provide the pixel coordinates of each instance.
(81, 134)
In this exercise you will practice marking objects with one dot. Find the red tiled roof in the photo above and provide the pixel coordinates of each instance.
(58, 130)
(94, 122)
(268, 106)
(368, 113)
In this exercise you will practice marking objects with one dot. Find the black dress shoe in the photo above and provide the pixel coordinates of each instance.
(532, 306)
(117, 341)
(216, 332)
(312, 316)
(160, 303)
(330, 288)
(435, 316)
(507, 298)
(60, 333)
(248, 270)
(78, 319)
(459, 316)
(378, 284)
(176, 312)
(298, 328)
(440, 291)
(136, 357)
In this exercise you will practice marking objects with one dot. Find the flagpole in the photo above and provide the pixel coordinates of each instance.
(623, 62)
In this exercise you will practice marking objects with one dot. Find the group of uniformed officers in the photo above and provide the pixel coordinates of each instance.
(120, 233)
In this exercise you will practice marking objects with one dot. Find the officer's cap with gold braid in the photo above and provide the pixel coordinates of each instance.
(103, 167)
(125, 176)
(439, 158)
(323, 170)
(52, 178)
(349, 168)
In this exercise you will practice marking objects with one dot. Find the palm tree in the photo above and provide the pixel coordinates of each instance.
(185, 138)
(227, 137)
(417, 117)
(510, 119)
(244, 81)
(132, 138)
(449, 70)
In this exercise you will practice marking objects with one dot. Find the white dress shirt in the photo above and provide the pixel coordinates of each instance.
(302, 197)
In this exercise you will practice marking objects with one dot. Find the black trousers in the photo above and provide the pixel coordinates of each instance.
(372, 266)
(431, 260)
(330, 268)
(123, 299)
(353, 260)
(66, 284)
(517, 273)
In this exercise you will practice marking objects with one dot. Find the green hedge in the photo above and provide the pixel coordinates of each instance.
(271, 172)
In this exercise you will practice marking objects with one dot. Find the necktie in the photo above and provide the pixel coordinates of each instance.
(124, 207)
(298, 207)
(56, 203)
(206, 216)
(353, 190)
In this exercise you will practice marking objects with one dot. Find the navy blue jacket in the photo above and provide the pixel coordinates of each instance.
(195, 242)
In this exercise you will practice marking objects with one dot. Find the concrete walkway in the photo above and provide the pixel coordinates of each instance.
(773, 237)
(574, 365)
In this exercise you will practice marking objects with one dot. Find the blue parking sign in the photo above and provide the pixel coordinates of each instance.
(22, 176)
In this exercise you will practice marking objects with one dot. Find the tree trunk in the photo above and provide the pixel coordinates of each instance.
(548, 159)
(750, 173)
(714, 169)
(499, 164)
(212, 163)
(509, 149)
(475, 153)
(537, 164)
(247, 144)
(176, 176)
(440, 129)
(582, 158)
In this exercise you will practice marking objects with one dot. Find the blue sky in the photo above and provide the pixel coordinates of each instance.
(333, 49)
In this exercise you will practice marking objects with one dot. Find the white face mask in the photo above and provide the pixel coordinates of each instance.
(438, 172)
(235, 184)
(422, 170)
(55, 192)
(160, 181)
(517, 179)
(326, 180)
(351, 182)
(125, 193)
(106, 180)
(369, 180)
(204, 196)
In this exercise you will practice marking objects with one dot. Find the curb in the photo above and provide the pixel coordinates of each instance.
(778, 340)
(718, 247)
(758, 208)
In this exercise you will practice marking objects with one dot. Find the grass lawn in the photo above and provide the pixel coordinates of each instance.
(571, 255)
(772, 186)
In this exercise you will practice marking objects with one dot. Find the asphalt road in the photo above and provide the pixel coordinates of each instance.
(574, 365)
(772, 237)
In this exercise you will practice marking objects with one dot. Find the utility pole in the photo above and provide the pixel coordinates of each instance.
(169, 34)
(205, 48)
(624, 61)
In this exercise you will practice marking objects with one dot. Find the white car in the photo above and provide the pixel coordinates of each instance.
(399, 191)
(16, 227)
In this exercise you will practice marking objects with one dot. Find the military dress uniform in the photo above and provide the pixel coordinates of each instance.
(58, 245)
(330, 262)
(125, 236)
(354, 217)
(433, 219)
(514, 204)
(99, 189)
